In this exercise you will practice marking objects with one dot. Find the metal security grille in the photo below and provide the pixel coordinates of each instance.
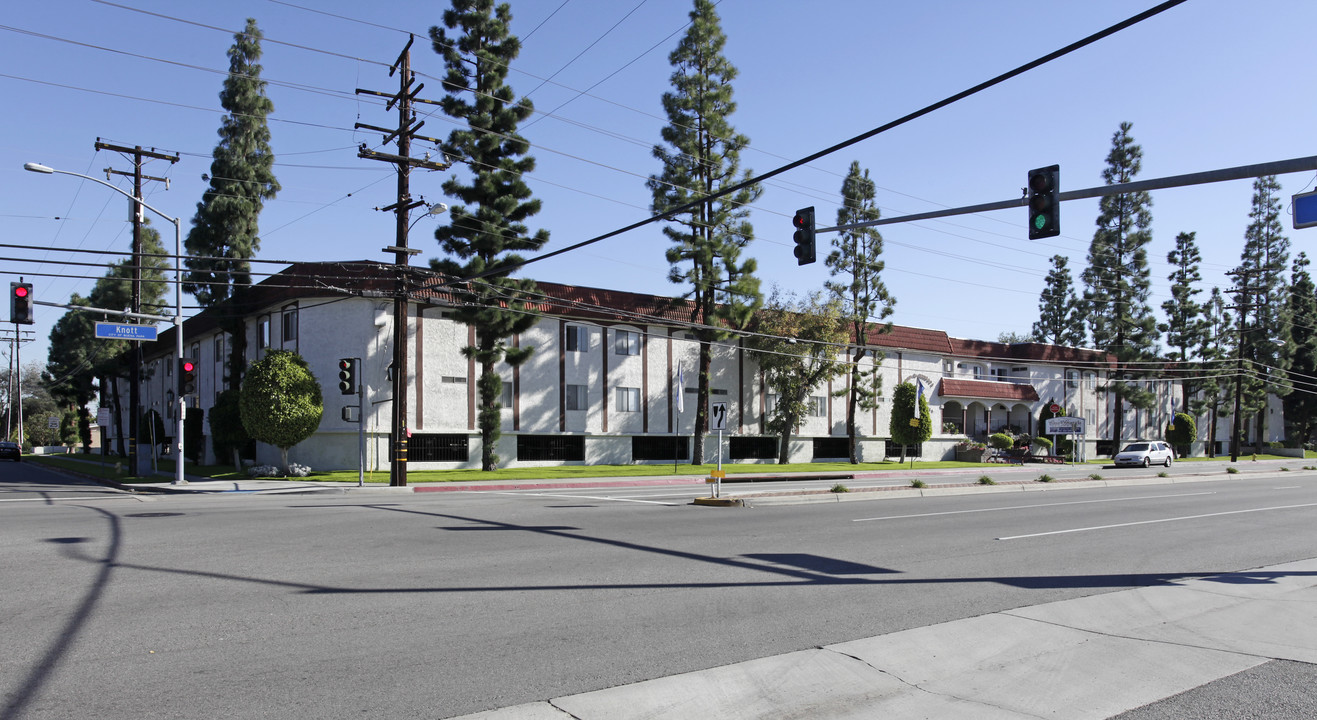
(551, 447)
(831, 447)
(438, 448)
(752, 448)
(660, 448)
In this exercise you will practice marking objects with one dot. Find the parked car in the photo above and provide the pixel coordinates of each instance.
(11, 450)
(1146, 454)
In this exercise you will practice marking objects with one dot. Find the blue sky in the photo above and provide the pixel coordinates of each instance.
(1209, 84)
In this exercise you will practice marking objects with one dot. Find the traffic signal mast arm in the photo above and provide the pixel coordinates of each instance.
(1243, 172)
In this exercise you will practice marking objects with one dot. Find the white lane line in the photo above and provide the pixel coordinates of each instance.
(573, 497)
(1289, 487)
(1028, 507)
(1154, 522)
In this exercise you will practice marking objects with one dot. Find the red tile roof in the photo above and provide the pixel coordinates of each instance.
(987, 390)
(1028, 351)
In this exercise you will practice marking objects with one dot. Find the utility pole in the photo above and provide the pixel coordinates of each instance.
(404, 133)
(135, 378)
(15, 381)
(1242, 304)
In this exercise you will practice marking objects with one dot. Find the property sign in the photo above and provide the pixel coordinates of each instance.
(1305, 209)
(1064, 426)
(125, 331)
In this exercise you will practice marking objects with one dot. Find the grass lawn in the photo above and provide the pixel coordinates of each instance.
(112, 468)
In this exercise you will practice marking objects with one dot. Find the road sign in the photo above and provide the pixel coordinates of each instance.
(52, 422)
(1305, 209)
(125, 331)
(1054, 408)
(1064, 426)
(718, 416)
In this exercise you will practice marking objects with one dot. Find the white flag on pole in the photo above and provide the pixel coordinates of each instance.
(919, 395)
(680, 389)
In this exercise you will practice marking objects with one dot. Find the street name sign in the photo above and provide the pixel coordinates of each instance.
(124, 331)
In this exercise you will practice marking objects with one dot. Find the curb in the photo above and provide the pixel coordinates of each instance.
(718, 502)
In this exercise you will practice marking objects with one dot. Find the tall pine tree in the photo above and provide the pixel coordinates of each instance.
(1117, 281)
(1301, 405)
(1216, 370)
(858, 285)
(1184, 326)
(1262, 266)
(487, 230)
(700, 157)
(1059, 320)
(225, 232)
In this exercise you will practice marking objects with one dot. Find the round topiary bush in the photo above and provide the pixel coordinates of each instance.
(1001, 441)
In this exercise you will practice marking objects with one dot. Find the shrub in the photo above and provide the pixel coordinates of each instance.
(839, 488)
(1163, 474)
(1042, 443)
(918, 484)
(1284, 469)
(1095, 476)
(1045, 478)
(967, 444)
(986, 480)
(1232, 469)
(1023, 440)
(1001, 441)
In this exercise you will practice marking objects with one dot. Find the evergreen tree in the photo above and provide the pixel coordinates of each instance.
(1117, 282)
(862, 293)
(701, 156)
(77, 357)
(225, 235)
(280, 402)
(1215, 350)
(487, 230)
(1184, 326)
(905, 427)
(1262, 266)
(799, 343)
(1301, 405)
(1059, 318)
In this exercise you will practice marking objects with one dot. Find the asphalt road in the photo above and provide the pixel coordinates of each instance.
(441, 604)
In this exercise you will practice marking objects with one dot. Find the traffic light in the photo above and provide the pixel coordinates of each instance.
(187, 376)
(1044, 207)
(804, 237)
(347, 375)
(20, 303)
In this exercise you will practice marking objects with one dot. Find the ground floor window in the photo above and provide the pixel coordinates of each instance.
(752, 448)
(895, 449)
(435, 447)
(660, 448)
(570, 448)
(831, 447)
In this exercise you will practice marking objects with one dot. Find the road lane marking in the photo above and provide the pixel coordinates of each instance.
(1154, 522)
(1028, 507)
(572, 497)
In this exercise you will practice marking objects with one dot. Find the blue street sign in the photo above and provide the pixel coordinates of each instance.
(125, 331)
(1305, 210)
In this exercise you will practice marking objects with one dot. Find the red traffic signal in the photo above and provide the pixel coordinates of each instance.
(347, 375)
(20, 303)
(187, 376)
(804, 235)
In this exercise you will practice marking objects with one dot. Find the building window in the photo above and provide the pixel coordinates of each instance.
(770, 403)
(1090, 380)
(628, 399)
(660, 448)
(424, 447)
(818, 406)
(628, 343)
(506, 399)
(576, 340)
(741, 447)
(570, 448)
(576, 397)
(452, 380)
(263, 333)
(999, 374)
(1072, 378)
(218, 347)
(290, 325)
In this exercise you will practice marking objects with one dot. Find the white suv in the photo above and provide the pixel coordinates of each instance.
(1146, 454)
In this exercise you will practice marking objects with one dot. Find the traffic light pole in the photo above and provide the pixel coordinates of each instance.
(1243, 172)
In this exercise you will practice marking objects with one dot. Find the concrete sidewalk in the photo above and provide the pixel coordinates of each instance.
(1087, 658)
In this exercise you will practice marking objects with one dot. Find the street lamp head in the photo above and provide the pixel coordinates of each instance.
(38, 168)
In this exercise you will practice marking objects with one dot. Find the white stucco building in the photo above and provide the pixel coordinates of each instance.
(599, 387)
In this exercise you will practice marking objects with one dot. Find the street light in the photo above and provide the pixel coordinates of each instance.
(178, 295)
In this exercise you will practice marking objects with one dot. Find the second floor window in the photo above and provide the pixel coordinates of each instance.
(628, 399)
(628, 343)
(576, 397)
(576, 340)
(818, 406)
